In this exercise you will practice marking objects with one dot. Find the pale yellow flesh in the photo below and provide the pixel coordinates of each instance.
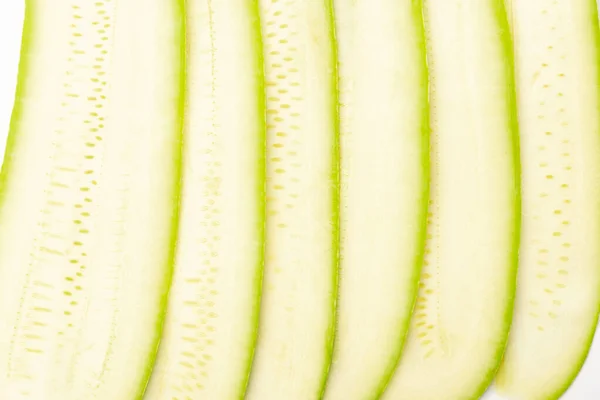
(88, 202)
(297, 314)
(559, 274)
(210, 331)
(462, 314)
(383, 87)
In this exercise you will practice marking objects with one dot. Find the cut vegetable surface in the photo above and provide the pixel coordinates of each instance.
(207, 347)
(384, 119)
(463, 309)
(88, 198)
(299, 290)
(557, 57)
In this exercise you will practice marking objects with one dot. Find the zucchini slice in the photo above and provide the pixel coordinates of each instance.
(463, 311)
(88, 198)
(211, 323)
(384, 147)
(300, 282)
(557, 57)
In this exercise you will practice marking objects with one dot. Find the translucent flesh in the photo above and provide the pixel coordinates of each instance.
(207, 347)
(384, 148)
(558, 297)
(463, 309)
(299, 288)
(88, 198)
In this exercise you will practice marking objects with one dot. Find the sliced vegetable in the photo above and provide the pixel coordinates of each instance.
(88, 198)
(300, 283)
(557, 304)
(463, 310)
(384, 147)
(211, 324)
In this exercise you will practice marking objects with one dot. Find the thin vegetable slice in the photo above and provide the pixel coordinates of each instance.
(299, 291)
(88, 198)
(384, 147)
(463, 311)
(557, 59)
(211, 324)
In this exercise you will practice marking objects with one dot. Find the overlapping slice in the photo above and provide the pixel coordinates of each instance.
(211, 324)
(299, 290)
(557, 59)
(384, 120)
(88, 198)
(463, 310)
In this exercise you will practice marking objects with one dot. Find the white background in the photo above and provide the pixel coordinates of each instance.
(587, 385)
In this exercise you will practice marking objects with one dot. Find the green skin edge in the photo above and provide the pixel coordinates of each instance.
(504, 32)
(261, 166)
(260, 190)
(334, 178)
(422, 233)
(569, 379)
(335, 204)
(507, 46)
(24, 68)
(180, 7)
(335, 217)
(28, 42)
(381, 385)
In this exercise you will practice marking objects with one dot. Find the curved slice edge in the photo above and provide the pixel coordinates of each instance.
(272, 354)
(224, 133)
(26, 62)
(385, 157)
(394, 390)
(504, 383)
